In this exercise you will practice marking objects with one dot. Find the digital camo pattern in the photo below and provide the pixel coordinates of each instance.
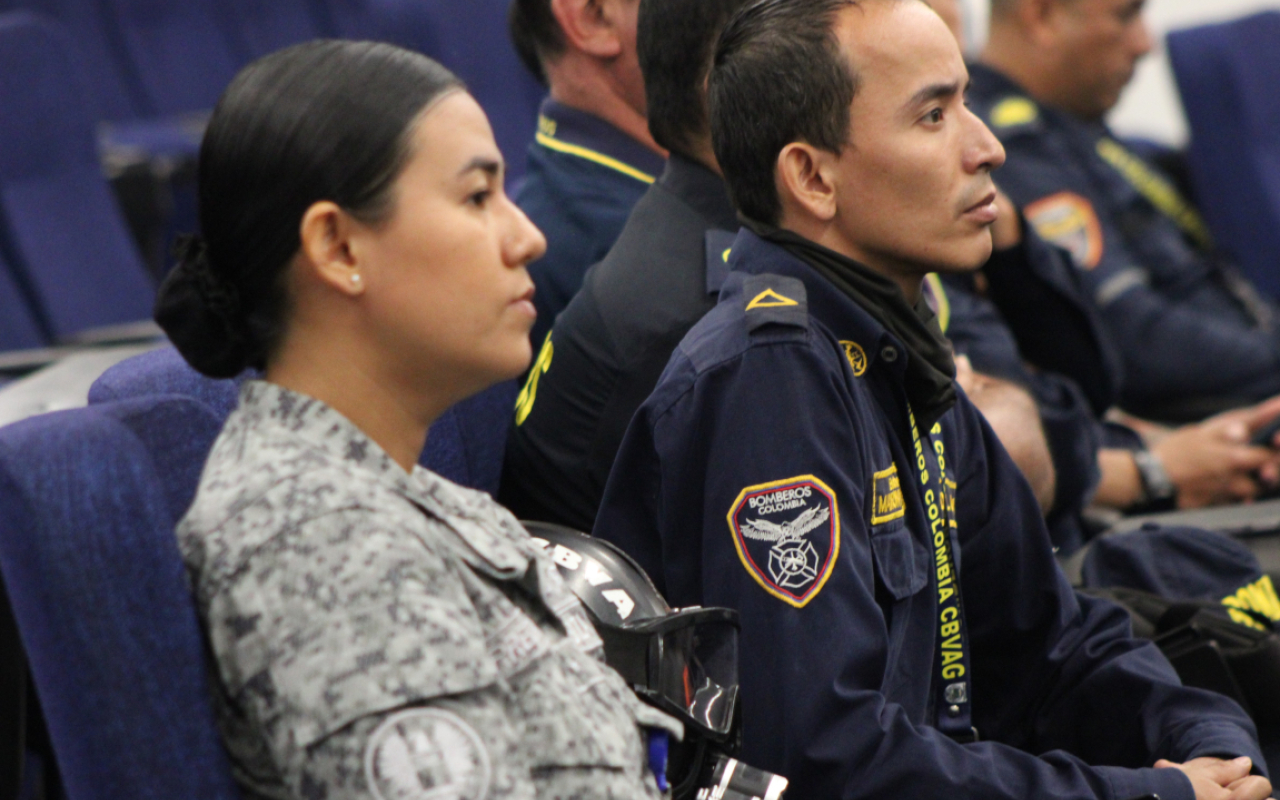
(339, 591)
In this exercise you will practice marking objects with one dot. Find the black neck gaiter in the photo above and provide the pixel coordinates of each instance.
(931, 370)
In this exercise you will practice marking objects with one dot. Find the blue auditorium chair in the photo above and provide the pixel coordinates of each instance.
(474, 43)
(63, 230)
(113, 94)
(88, 503)
(179, 52)
(259, 27)
(133, 128)
(19, 327)
(1227, 75)
(465, 445)
(467, 36)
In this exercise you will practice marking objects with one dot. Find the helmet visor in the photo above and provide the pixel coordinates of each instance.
(697, 667)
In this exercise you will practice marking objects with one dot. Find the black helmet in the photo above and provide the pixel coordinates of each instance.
(683, 661)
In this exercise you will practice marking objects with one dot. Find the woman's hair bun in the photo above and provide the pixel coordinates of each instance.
(202, 315)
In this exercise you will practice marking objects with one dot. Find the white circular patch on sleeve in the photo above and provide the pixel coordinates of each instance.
(426, 754)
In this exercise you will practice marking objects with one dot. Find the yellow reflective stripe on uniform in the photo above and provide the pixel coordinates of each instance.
(591, 155)
(1157, 189)
(529, 394)
(940, 295)
(1260, 597)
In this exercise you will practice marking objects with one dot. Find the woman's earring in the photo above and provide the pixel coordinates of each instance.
(355, 279)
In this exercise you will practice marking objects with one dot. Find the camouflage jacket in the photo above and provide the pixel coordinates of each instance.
(384, 634)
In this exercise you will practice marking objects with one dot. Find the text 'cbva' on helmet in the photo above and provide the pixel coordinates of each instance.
(682, 661)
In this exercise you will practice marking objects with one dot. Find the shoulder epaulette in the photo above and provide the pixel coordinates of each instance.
(775, 300)
(1014, 114)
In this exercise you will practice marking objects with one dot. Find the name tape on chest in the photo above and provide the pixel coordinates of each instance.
(1069, 221)
(887, 503)
(426, 753)
(787, 534)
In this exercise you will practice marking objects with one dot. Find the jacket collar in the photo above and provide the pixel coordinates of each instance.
(846, 319)
(700, 189)
(489, 540)
(578, 133)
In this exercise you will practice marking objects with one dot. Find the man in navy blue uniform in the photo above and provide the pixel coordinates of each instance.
(807, 459)
(1195, 337)
(614, 338)
(1027, 306)
(592, 156)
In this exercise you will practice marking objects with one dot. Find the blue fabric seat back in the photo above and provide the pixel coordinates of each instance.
(473, 42)
(259, 27)
(88, 503)
(62, 229)
(114, 92)
(363, 19)
(465, 445)
(470, 38)
(19, 328)
(180, 53)
(160, 372)
(1226, 75)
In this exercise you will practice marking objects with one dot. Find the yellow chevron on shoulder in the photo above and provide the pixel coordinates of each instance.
(1014, 111)
(770, 299)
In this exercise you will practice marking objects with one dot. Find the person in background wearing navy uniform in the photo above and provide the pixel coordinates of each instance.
(1076, 378)
(1194, 336)
(807, 459)
(1127, 467)
(664, 273)
(609, 346)
(592, 156)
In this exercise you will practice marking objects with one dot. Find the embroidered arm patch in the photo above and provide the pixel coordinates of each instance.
(426, 753)
(787, 534)
(886, 496)
(1069, 221)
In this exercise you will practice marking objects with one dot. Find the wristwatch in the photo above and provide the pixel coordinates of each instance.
(1157, 489)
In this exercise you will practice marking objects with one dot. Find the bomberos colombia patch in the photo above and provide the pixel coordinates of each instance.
(426, 753)
(787, 534)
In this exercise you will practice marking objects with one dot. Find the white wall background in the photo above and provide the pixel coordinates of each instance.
(1150, 106)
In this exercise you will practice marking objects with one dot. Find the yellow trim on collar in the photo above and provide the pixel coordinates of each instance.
(593, 156)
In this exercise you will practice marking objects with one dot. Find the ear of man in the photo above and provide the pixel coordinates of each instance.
(328, 254)
(591, 26)
(806, 181)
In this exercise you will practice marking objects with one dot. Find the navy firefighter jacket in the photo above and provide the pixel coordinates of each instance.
(582, 179)
(773, 471)
(1195, 337)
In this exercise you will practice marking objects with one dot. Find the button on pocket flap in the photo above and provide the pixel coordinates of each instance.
(902, 563)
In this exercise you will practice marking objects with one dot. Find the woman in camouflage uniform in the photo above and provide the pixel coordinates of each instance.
(376, 631)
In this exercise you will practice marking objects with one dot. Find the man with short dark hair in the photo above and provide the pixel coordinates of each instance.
(612, 341)
(807, 459)
(592, 156)
(1194, 336)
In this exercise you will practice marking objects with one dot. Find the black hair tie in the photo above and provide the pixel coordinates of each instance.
(202, 313)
